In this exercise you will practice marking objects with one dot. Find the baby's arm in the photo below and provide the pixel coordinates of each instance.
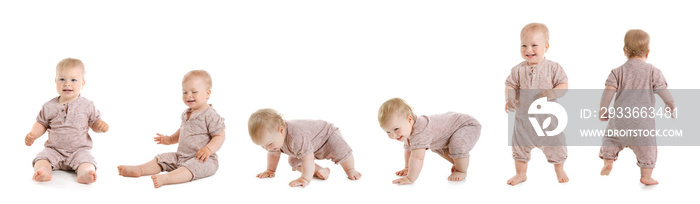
(558, 91)
(99, 126)
(167, 140)
(415, 164)
(213, 146)
(406, 157)
(273, 158)
(668, 100)
(37, 131)
(511, 102)
(308, 168)
(608, 94)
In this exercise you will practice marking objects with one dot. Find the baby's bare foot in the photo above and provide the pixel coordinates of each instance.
(129, 171)
(561, 175)
(457, 176)
(322, 173)
(157, 181)
(353, 174)
(42, 175)
(648, 181)
(518, 178)
(606, 169)
(87, 177)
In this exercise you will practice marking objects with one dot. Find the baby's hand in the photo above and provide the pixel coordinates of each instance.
(203, 154)
(403, 172)
(29, 139)
(266, 174)
(100, 126)
(511, 104)
(670, 107)
(162, 139)
(301, 181)
(549, 94)
(402, 181)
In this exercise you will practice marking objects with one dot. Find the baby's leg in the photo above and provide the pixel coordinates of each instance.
(319, 172)
(561, 174)
(459, 166)
(557, 155)
(646, 160)
(349, 166)
(646, 177)
(149, 168)
(521, 155)
(86, 173)
(607, 167)
(42, 170)
(609, 151)
(520, 173)
(460, 169)
(446, 155)
(179, 175)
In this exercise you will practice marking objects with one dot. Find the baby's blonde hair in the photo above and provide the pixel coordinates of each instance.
(204, 75)
(394, 106)
(535, 27)
(636, 43)
(264, 120)
(69, 63)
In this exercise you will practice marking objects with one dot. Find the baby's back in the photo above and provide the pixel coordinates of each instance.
(636, 82)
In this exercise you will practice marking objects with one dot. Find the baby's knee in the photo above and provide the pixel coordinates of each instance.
(201, 170)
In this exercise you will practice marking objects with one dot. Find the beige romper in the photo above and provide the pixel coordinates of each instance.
(316, 137)
(545, 75)
(195, 133)
(453, 132)
(646, 80)
(69, 143)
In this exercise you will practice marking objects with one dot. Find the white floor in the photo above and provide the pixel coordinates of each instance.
(486, 181)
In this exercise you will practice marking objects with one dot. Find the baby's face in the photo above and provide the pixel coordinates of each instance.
(195, 93)
(273, 140)
(69, 83)
(398, 127)
(533, 45)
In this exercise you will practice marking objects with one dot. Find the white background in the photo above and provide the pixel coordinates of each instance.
(336, 61)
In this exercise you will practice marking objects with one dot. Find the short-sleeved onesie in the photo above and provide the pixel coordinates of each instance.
(195, 133)
(545, 75)
(69, 143)
(316, 137)
(453, 132)
(636, 82)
